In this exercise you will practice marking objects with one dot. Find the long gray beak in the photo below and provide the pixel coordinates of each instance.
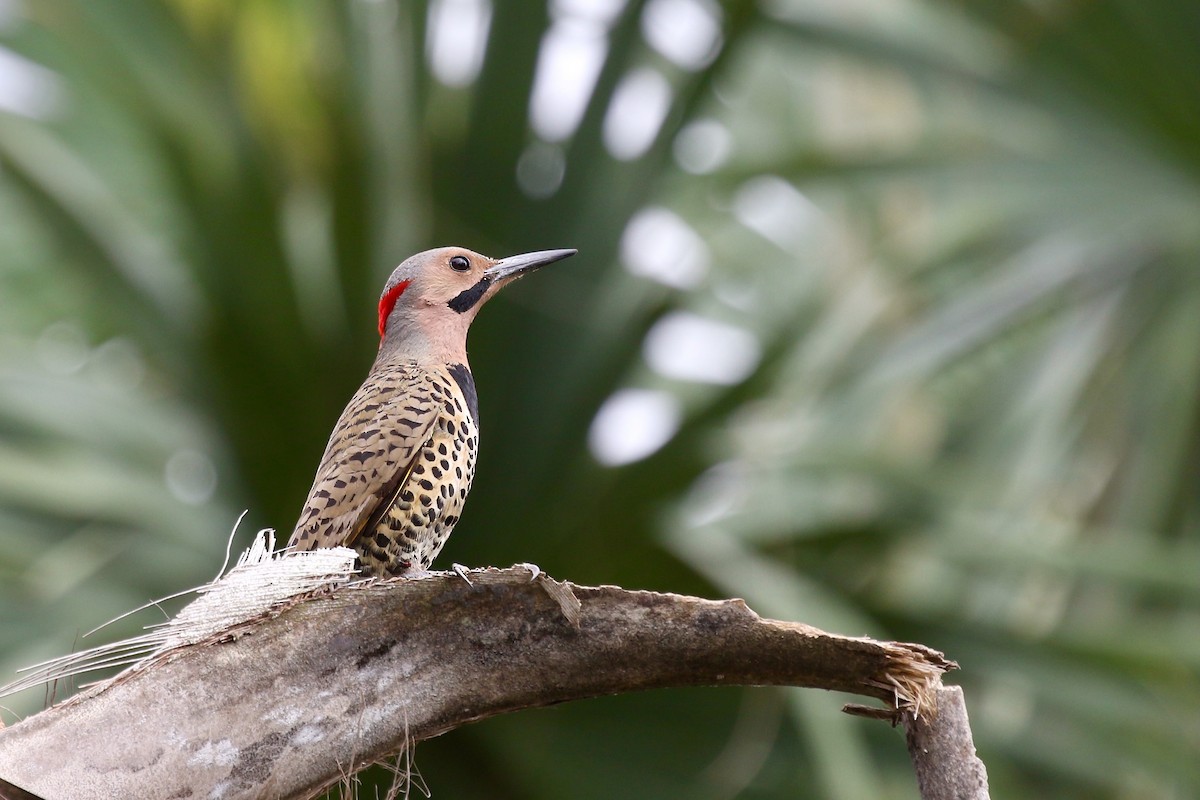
(515, 266)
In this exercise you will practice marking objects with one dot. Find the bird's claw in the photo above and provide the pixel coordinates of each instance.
(461, 572)
(534, 570)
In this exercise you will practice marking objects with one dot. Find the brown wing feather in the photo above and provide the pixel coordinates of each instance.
(369, 458)
(387, 497)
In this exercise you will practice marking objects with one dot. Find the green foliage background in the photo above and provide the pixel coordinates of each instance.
(964, 237)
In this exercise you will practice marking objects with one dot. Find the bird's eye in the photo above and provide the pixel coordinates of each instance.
(460, 263)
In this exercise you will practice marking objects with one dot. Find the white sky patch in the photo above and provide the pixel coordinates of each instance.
(686, 32)
(603, 12)
(775, 209)
(569, 61)
(27, 88)
(659, 245)
(689, 347)
(457, 34)
(702, 146)
(540, 170)
(632, 424)
(639, 106)
(191, 477)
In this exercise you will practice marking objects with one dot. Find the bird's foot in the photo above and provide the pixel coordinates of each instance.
(534, 570)
(461, 572)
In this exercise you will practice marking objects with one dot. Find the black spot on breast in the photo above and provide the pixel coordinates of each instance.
(466, 384)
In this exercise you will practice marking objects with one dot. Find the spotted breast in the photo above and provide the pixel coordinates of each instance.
(397, 469)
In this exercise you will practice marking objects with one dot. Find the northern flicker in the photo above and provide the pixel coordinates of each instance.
(400, 460)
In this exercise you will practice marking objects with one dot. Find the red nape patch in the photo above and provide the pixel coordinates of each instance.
(388, 302)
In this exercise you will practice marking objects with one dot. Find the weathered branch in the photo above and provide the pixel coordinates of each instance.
(943, 751)
(286, 705)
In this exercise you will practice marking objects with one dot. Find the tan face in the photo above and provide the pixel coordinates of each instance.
(432, 280)
(453, 282)
(457, 280)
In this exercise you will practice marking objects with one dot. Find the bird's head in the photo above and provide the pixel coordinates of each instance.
(429, 301)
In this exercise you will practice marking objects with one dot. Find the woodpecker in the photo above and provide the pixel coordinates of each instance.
(399, 463)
